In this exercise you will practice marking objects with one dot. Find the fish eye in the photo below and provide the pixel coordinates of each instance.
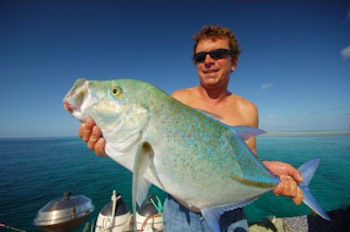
(116, 91)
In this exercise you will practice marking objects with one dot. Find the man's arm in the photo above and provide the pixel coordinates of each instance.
(290, 177)
(250, 114)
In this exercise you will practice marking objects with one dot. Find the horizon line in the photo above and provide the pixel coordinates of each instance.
(268, 133)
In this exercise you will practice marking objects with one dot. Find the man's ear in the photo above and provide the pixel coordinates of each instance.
(233, 64)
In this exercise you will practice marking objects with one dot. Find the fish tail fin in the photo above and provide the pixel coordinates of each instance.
(307, 171)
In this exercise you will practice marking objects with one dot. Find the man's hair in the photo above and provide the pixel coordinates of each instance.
(217, 32)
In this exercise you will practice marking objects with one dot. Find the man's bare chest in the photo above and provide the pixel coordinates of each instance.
(227, 114)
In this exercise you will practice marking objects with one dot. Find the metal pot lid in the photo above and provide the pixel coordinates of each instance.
(64, 209)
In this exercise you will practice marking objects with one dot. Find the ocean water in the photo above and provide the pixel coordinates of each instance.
(35, 171)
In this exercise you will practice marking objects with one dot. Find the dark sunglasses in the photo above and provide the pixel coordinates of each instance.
(215, 54)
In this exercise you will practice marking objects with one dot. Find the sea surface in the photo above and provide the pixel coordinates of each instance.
(35, 171)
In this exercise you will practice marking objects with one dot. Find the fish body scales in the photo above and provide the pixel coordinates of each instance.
(199, 159)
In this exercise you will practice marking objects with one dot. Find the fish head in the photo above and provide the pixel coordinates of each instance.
(76, 100)
(115, 105)
(103, 101)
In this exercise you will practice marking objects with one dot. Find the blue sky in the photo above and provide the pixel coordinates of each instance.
(295, 63)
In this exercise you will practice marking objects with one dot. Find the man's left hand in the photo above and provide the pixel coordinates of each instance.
(290, 177)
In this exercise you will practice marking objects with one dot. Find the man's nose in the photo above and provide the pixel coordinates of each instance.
(208, 59)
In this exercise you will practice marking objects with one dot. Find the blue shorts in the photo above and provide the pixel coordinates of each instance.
(179, 218)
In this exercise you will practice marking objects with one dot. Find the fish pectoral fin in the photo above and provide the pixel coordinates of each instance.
(245, 132)
(212, 214)
(142, 190)
(140, 186)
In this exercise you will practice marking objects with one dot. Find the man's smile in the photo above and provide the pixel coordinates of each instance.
(211, 70)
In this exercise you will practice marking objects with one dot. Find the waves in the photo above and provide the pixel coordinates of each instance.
(35, 171)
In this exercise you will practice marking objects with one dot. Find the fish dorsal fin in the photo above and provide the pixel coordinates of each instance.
(245, 132)
(212, 214)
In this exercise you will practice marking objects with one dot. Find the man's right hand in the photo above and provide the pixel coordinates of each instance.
(92, 134)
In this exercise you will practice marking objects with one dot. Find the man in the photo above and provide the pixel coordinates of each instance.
(215, 55)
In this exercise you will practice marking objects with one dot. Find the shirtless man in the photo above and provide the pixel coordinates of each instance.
(215, 55)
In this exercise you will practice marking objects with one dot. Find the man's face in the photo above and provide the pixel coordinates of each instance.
(214, 72)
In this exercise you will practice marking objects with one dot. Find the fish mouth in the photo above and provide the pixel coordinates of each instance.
(78, 99)
(68, 106)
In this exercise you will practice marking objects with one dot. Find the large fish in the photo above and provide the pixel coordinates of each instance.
(183, 151)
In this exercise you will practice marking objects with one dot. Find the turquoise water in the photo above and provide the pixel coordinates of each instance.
(35, 171)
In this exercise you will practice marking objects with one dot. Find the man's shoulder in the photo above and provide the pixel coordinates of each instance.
(248, 111)
(183, 95)
(244, 104)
